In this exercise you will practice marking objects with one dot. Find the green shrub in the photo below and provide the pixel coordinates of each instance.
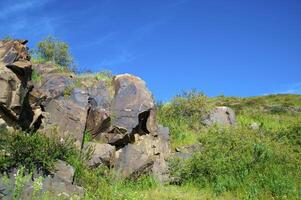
(55, 51)
(183, 116)
(32, 150)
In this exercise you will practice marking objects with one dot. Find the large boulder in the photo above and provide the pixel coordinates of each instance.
(68, 117)
(102, 154)
(63, 171)
(119, 112)
(147, 155)
(221, 115)
(52, 84)
(133, 105)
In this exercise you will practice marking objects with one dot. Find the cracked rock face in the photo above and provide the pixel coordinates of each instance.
(132, 99)
(120, 116)
(15, 71)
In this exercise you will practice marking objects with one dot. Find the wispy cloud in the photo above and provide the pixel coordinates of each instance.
(19, 21)
(123, 57)
(97, 41)
(123, 50)
(10, 9)
(294, 88)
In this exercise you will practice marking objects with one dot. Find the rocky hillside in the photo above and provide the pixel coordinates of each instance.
(98, 136)
(115, 116)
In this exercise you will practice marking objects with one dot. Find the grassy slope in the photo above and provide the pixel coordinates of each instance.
(237, 163)
(266, 162)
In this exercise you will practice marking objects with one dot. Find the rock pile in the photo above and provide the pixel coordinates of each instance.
(120, 115)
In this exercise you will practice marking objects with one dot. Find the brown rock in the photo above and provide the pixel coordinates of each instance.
(133, 105)
(15, 71)
(103, 154)
(64, 171)
(68, 117)
(146, 155)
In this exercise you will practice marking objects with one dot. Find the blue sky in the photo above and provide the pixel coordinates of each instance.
(229, 47)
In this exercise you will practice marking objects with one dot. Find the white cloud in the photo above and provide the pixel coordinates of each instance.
(8, 9)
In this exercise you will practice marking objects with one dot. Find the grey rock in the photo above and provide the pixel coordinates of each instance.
(103, 154)
(187, 152)
(68, 117)
(132, 105)
(64, 171)
(147, 155)
(15, 71)
(221, 116)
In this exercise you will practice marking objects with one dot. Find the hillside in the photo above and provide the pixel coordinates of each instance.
(101, 136)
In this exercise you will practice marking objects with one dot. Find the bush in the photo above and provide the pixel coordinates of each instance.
(55, 51)
(32, 150)
(238, 159)
(183, 116)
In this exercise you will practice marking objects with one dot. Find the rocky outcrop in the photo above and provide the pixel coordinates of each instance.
(120, 115)
(132, 105)
(221, 115)
(15, 72)
(146, 155)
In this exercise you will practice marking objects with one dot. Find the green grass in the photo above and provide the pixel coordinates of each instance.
(183, 116)
(36, 77)
(246, 163)
(235, 162)
(105, 76)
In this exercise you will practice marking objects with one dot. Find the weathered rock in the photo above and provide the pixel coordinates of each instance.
(132, 161)
(146, 155)
(13, 50)
(163, 132)
(64, 171)
(133, 105)
(98, 119)
(68, 117)
(15, 71)
(56, 185)
(103, 154)
(52, 85)
(221, 116)
(100, 93)
(60, 188)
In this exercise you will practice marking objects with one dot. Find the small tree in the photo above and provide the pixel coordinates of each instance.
(53, 50)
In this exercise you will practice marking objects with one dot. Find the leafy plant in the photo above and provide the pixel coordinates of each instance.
(32, 150)
(55, 51)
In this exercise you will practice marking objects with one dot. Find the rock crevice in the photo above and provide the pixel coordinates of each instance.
(122, 125)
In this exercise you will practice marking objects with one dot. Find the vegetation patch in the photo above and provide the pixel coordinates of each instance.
(36, 77)
(32, 151)
(183, 116)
